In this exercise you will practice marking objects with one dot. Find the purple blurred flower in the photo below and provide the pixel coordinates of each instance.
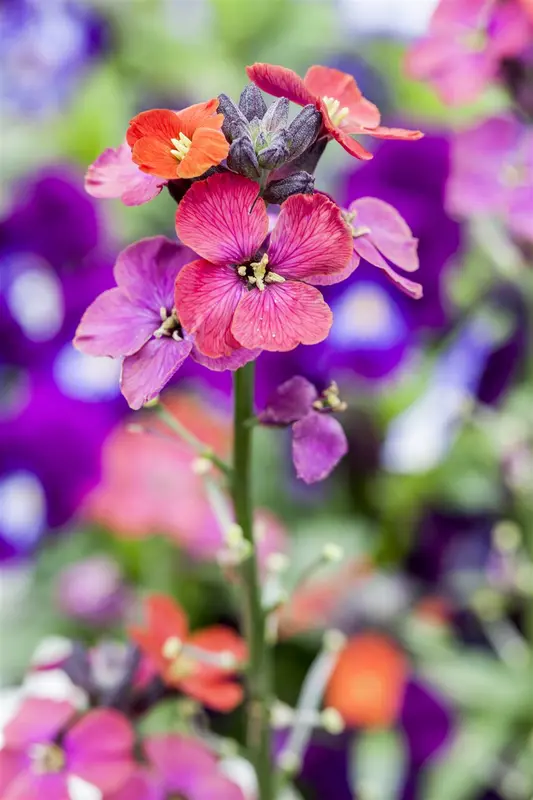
(137, 320)
(38, 765)
(45, 49)
(465, 45)
(92, 590)
(492, 173)
(115, 175)
(318, 440)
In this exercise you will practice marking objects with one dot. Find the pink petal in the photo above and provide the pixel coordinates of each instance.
(282, 317)
(352, 146)
(107, 775)
(216, 221)
(237, 359)
(291, 401)
(31, 786)
(114, 174)
(147, 372)
(389, 232)
(147, 271)
(141, 786)
(115, 326)
(12, 762)
(216, 786)
(280, 82)
(310, 240)
(206, 299)
(510, 31)
(365, 249)
(38, 720)
(179, 761)
(101, 734)
(452, 15)
(318, 444)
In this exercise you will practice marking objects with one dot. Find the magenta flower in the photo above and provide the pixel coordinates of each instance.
(114, 174)
(244, 291)
(492, 173)
(42, 754)
(137, 320)
(318, 440)
(465, 45)
(380, 233)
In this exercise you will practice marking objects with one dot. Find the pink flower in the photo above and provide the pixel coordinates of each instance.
(465, 45)
(318, 440)
(137, 321)
(244, 291)
(44, 752)
(114, 174)
(492, 173)
(381, 235)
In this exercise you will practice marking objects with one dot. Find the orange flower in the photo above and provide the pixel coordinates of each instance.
(367, 685)
(178, 144)
(183, 659)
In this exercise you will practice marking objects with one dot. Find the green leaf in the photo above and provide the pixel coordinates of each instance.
(470, 764)
(378, 764)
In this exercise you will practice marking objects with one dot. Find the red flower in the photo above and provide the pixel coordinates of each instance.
(183, 659)
(344, 109)
(178, 144)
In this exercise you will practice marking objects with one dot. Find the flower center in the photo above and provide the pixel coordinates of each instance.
(181, 147)
(330, 400)
(170, 325)
(257, 273)
(180, 665)
(47, 758)
(335, 112)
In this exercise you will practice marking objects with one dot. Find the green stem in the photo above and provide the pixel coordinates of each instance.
(258, 673)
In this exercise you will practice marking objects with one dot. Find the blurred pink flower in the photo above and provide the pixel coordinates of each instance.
(92, 590)
(465, 45)
(115, 175)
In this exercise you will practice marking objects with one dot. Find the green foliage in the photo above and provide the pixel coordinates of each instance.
(378, 764)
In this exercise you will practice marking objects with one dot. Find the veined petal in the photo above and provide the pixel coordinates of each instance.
(206, 299)
(310, 239)
(280, 82)
(214, 219)
(282, 317)
(200, 115)
(209, 147)
(237, 359)
(318, 444)
(148, 371)
(389, 232)
(115, 175)
(330, 82)
(146, 271)
(153, 157)
(157, 123)
(364, 248)
(115, 326)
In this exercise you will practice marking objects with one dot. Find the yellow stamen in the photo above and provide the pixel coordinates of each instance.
(182, 146)
(330, 399)
(47, 758)
(172, 648)
(169, 325)
(260, 274)
(335, 112)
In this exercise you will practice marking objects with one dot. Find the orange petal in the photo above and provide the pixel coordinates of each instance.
(153, 156)
(367, 685)
(200, 115)
(165, 617)
(218, 639)
(159, 123)
(209, 147)
(218, 695)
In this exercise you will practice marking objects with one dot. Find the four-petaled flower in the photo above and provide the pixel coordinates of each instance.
(201, 664)
(345, 111)
(244, 291)
(318, 440)
(45, 750)
(178, 144)
(137, 320)
(380, 233)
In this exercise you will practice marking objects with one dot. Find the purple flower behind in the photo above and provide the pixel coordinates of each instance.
(93, 591)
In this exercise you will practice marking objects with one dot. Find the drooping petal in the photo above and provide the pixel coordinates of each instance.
(280, 82)
(206, 299)
(352, 146)
(401, 134)
(318, 444)
(115, 326)
(364, 248)
(38, 720)
(114, 174)
(147, 271)
(147, 372)
(157, 123)
(200, 115)
(389, 232)
(216, 219)
(291, 401)
(310, 239)
(332, 83)
(209, 147)
(282, 317)
(179, 760)
(237, 359)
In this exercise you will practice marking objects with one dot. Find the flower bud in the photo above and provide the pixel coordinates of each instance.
(277, 115)
(242, 157)
(235, 123)
(303, 130)
(251, 103)
(297, 183)
(277, 152)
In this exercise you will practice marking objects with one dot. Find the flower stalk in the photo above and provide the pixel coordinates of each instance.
(258, 672)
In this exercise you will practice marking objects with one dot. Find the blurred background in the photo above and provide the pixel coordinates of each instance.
(432, 505)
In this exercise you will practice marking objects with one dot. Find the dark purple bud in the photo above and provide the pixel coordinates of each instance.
(303, 130)
(276, 153)
(235, 123)
(242, 158)
(251, 103)
(298, 183)
(277, 115)
(307, 162)
(290, 402)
